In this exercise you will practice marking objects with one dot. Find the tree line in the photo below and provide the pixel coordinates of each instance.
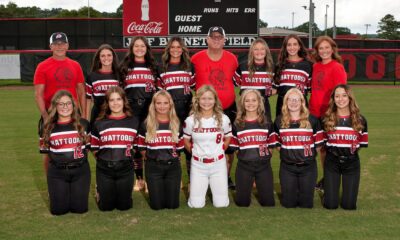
(388, 26)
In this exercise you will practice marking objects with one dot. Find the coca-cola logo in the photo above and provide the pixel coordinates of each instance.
(147, 28)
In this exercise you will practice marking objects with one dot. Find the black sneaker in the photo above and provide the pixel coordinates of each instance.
(320, 185)
(231, 184)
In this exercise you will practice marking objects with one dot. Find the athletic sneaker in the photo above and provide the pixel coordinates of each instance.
(320, 185)
(231, 184)
(139, 185)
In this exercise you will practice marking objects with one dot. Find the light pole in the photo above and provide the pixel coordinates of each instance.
(326, 19)
(366, 29)
(88, 9)
(311, 8)
(293, 19)
(334, 19)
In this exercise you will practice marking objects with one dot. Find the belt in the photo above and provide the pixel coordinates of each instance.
(208, 160)
(297, 164)
(166, 162)
(112, 164)
(69, 165)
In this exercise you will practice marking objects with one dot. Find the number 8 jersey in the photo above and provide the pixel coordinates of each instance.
(207, 141)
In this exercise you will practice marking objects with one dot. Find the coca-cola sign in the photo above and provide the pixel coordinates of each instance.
(145, 28)
(145, 17)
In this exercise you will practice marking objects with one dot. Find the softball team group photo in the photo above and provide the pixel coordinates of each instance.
(140, 118)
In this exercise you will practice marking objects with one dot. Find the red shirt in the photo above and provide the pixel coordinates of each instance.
(56, 75)
(325, 78)
(219, 74)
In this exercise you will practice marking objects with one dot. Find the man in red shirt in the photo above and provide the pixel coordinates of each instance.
(215, 66)
(55, 73)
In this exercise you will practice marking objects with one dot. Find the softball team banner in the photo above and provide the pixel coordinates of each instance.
(190, 19)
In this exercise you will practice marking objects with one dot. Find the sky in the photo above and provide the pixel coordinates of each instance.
(354, 14)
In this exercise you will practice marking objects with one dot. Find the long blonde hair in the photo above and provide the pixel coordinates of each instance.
(241, 114)
(152, 123)
(304, 113)
(331, 118)
(269, 64)
(196, 110)
(53, 118)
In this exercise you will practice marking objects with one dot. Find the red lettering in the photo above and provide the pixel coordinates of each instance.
(380, 60)
(351, 59)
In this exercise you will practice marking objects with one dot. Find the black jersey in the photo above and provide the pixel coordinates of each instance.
(177, 82)
(114, 138)
(295, 74)
(261, 79)
(344, 140)
(97, 84)
(297, 144)
(253, 141)
(140, 82)
(162, 147)
(65, 145)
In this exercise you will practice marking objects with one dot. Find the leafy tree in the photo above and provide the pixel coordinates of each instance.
(119, 11)
(339, 31)
(304, 28)
(261, 23)
(389, 28)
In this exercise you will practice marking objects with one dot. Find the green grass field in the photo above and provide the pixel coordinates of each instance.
(24, 205)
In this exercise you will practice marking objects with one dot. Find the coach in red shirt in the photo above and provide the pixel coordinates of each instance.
(55, 73)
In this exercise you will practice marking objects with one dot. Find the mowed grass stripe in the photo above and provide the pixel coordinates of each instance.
(24, 206)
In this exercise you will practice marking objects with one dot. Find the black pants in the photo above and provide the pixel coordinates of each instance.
(246, 173)
(163, 181)
(230, 112)
(267, 108)
(68, 189)
(114, 185)
(140, 109)
(297, 184)
(338, 169)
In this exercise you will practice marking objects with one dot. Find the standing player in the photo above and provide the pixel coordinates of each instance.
(138, 71)
(104, 74)
(299, 136)
(253, 136)
(66, 141)
(215, 66)
(55, 73)
(346, 131)
(160, 139)
(113, 138)
(293, 69)
(176, 77)
(207, 133)
(328, 72)
(257, 73)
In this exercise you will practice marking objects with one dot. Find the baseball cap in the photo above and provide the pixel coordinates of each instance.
(58, 36)
(216, 29)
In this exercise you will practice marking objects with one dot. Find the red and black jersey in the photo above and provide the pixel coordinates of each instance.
(177, 82)
(114, 138)
(140, 82)
(261, 79)
(65, 145)
(162, 147)
(297, 144)
(344, 140)
(97, 84)
(253, 141)
(295, 74)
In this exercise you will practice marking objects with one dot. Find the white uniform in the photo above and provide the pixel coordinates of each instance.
(208, 165)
